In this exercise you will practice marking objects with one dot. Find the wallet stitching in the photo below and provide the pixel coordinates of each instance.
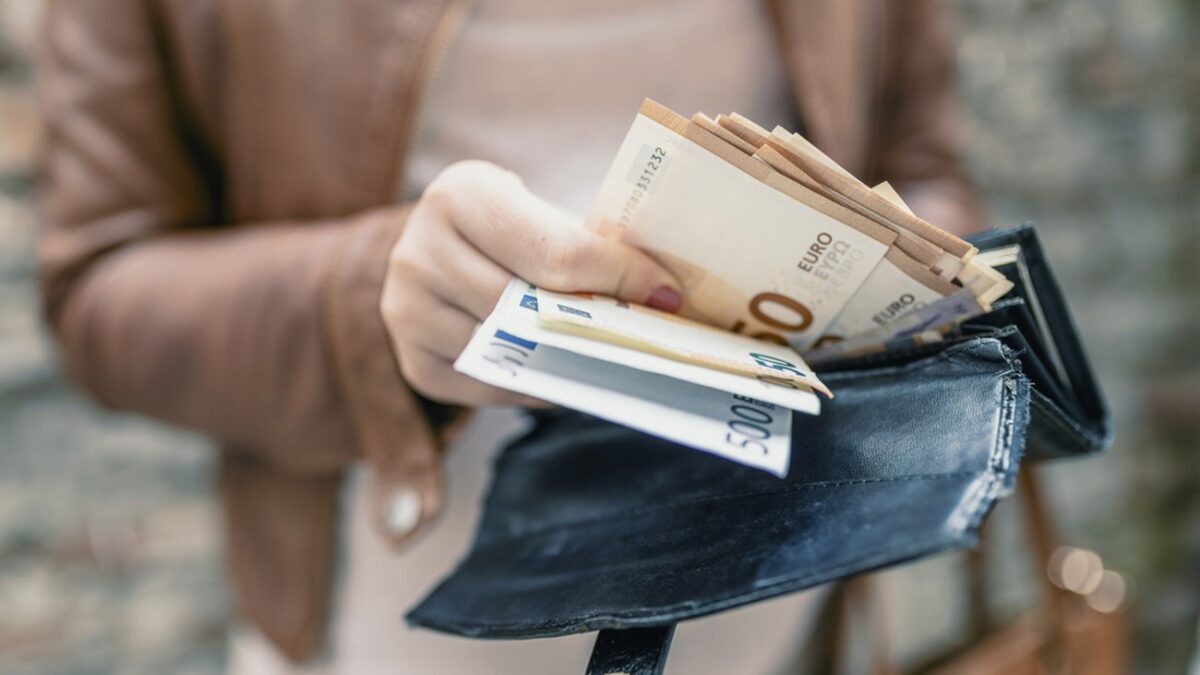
(738, 495)
(977, 501)
(1005, 432)
(1001, 456)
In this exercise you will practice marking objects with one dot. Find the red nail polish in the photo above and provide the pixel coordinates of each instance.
(665, 298)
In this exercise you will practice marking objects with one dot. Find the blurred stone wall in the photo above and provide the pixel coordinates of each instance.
(1086, 120)
(109, 534)
(1083, 119)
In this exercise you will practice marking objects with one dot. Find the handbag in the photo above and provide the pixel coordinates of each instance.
(1079, 624)
(589, 526)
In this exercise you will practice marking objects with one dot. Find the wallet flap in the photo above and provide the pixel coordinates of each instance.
(1078, 404)
(1011, 325)
(589, 525)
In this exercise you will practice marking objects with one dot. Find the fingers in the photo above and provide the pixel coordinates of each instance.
(443, 329)
(433, 257)
(585, 261)
(545, 246)
(470, 280)
(430, 336)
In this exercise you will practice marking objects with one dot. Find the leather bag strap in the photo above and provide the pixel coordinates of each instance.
(631, 651)
(826, 648)
(1053, 599)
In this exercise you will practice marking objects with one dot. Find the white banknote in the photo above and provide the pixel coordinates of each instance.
(641, 329)
(506, 352)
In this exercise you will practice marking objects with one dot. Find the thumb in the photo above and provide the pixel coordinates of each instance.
(553, 250)
(613, 268)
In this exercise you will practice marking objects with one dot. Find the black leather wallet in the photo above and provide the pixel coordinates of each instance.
(592, 526)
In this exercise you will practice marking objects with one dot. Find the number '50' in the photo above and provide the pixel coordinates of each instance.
(776, 363)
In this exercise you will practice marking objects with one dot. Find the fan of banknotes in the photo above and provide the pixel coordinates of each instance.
(785, 259)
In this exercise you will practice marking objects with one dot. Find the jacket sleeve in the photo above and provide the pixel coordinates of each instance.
(265, 335)
(920, 139)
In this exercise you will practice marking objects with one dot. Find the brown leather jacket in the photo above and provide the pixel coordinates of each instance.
(220, 179)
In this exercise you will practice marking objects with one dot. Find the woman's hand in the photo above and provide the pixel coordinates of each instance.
(473, 229)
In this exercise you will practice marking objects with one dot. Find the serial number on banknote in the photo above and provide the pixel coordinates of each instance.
(642, 181)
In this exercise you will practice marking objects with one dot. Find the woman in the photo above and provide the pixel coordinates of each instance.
(278, 222)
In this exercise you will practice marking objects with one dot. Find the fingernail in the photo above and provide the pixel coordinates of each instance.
(402, 512)
(665, 298)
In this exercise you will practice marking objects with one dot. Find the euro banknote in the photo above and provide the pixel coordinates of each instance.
(785, 258)
(509, 350)
(647, 330)
(751, 259)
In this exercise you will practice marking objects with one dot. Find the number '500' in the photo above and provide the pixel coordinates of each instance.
(748, 428)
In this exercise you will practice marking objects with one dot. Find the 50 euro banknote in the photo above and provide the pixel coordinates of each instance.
(751, 258)
(770, 238)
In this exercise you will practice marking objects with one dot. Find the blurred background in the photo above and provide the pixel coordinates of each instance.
(1084, 117)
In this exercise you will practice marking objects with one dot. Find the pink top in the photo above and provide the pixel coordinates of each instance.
(548, 88)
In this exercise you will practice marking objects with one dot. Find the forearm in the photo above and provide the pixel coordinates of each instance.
(228, 331)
